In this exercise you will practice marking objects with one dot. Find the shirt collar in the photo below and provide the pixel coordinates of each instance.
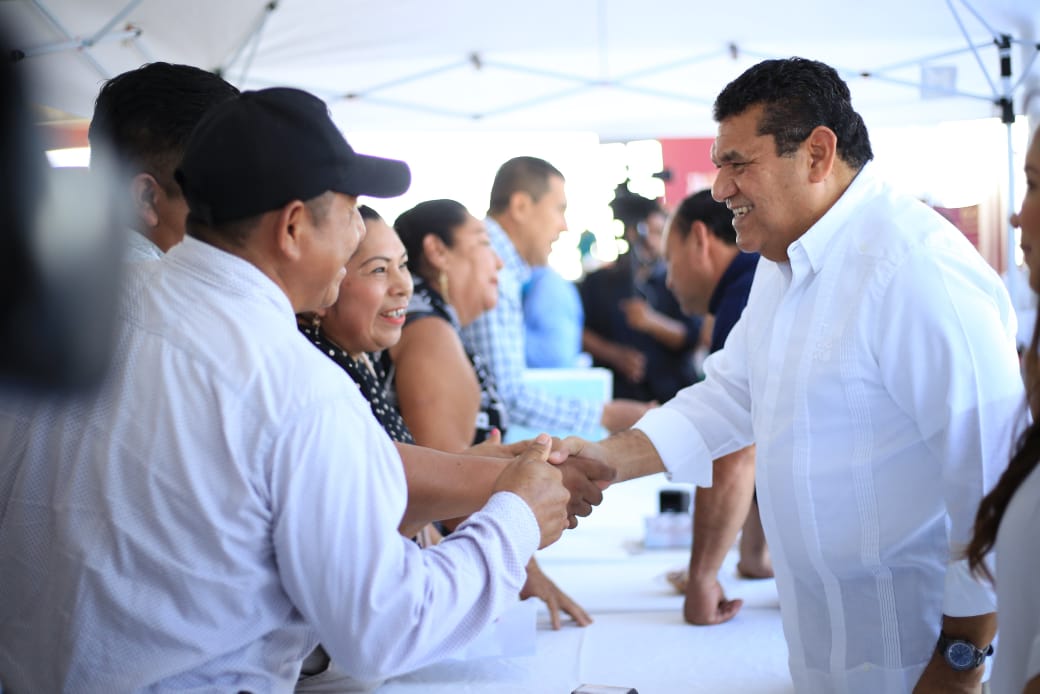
(232, 274)
(809, 252)
(506, 250)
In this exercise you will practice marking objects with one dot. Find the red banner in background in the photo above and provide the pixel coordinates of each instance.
(689, 162)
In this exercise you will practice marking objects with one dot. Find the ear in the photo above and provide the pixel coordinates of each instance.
(145, 192)
(822, 146)
(292, 230)
(435, 251)
(520, 202)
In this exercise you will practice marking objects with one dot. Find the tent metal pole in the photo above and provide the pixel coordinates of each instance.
(967, 39)
(258, 23)
(918, 85)
(68, 36)
(936, 56)
(115, 20)
(1011, 277)
(77, 44)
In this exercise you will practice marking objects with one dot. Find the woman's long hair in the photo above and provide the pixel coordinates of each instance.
(1026, 457)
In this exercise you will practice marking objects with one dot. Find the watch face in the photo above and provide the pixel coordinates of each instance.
(960, 655)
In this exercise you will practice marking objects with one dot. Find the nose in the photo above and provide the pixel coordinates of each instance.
(402, 282)
(1016, 220)
(498, 261)
(722, 188)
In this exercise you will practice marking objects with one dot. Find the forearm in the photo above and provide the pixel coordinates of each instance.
(1032, 686)
(668, 331)
(719, 512)
(601, 349)
(442, 485)
(632, 454)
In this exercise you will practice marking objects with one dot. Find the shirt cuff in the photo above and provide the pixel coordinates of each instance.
(518, 517)
(964, 595)
(685, 456)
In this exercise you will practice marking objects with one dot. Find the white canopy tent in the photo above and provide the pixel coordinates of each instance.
(622, 70)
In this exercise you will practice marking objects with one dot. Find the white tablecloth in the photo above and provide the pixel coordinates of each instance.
(639, 638)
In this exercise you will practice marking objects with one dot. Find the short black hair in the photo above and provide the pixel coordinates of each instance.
(143, 117)
(798, 95)
(367, 213)
(701, 207)
(520, 174)
(438, 217)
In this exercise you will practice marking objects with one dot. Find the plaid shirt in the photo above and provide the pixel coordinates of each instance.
(498, 336)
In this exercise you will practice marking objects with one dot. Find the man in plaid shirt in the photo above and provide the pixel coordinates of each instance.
(525, 216)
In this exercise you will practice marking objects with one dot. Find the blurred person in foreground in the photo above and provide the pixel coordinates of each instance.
(874, 368)
(1009, 516)
(211, 536)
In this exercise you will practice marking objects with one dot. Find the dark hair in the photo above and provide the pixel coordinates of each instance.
(438, 217)
(367, 213)
(701, 207)
(1026, 457)
(143, 117)
(521, 174)
(238, 231)
(630, 208)
(798, 95)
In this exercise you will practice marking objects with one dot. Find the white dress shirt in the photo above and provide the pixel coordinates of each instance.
(139, 248)
(876, 372)
(1017, 657)
(227, 501)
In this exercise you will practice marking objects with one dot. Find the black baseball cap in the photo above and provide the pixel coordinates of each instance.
(260, 150)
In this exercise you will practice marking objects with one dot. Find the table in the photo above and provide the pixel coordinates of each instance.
(639, 638)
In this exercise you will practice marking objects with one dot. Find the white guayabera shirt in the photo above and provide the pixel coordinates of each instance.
(877, 373)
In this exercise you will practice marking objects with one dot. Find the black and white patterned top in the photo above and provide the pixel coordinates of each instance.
(427, 302)
(373, 382)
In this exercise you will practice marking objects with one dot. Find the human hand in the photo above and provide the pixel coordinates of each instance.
(540, 485)
(493, 447)
(705, 602)
(630, 362)
(638, 313)
(940, 678)
(585, 478)
(620, 414)
(538, 585)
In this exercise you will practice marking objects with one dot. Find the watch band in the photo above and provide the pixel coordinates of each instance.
(962, 655)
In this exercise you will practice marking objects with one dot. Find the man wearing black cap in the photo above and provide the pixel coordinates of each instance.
(229, 500)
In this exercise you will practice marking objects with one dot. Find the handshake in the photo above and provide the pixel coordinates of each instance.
(558, 479)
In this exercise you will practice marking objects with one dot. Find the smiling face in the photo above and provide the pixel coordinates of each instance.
(1028, 217)
(373, 297)
(767, 193)
(471, 266)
